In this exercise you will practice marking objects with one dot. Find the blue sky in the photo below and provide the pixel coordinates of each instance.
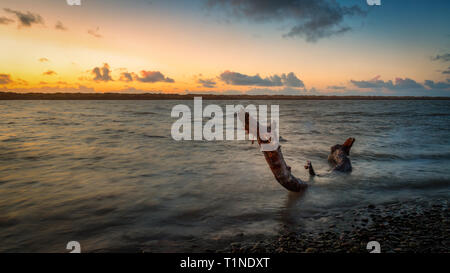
(331, 47)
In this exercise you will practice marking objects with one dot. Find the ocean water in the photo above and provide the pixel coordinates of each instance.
(109, 175)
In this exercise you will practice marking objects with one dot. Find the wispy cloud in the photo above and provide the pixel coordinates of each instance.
(49, 73)
(26, 19)
(336, 87)
(60, 26)
(5, 79)
(311, 19)
(443, 57)
(208, 83)
(5, 20)
(95, 32)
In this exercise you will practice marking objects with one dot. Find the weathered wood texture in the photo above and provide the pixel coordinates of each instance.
(339, 156)
(276, 162)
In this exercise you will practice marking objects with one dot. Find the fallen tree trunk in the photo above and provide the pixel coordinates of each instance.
(275, 159)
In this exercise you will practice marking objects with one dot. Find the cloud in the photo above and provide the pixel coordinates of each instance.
(49, 73)
(404, 86)
(26, 19)
(208, 83)
(51, 89)
(235, 78)
(374, 83)
(446, 71)
(60, 26)
(400, 84)
(407, 84)
(153, 76)
(43, 60)
(5, 79)
(126, 77)
(336, 87)
(443, 57)
(311, 19)
(5, 21)
(102, 73)
(95, 32)
(291, 80)
(438, 85)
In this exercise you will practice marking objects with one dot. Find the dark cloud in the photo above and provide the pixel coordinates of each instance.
(336, 87)
(60, 26)
(291, 80)
(443, 57)
(5, 21)
(26, 19)
(400, 84)
(126, 77)
(446, 71)
(374, 83)
(235, 78)
(49, 73)
(404, 86)
(5, 79)
(153, 76)
(407, 84)
(95, 32)
(102, 73)
(208, 83)
(438, 85)
(311, 19)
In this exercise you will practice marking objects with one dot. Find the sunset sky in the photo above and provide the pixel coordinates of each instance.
(257, 47)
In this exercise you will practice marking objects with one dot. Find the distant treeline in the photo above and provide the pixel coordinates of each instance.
(160, 96)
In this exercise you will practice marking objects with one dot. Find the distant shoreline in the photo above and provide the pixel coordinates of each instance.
(159, 96)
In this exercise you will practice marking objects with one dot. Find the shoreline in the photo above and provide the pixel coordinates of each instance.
(161, 96)
(398, 227)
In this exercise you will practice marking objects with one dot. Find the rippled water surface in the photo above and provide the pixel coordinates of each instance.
(109, 175)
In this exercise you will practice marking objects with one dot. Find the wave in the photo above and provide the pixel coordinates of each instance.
(406, 157)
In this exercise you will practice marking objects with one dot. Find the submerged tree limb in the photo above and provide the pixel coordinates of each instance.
(275, 160)
(338, 158)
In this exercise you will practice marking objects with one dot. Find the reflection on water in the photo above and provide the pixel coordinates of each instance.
(108, 174)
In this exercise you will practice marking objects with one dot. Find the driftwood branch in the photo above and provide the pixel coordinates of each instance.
(338, 157)
(275, 160)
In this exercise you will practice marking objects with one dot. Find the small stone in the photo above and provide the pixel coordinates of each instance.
(371, 206)
(279, 250)
(309, 250)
